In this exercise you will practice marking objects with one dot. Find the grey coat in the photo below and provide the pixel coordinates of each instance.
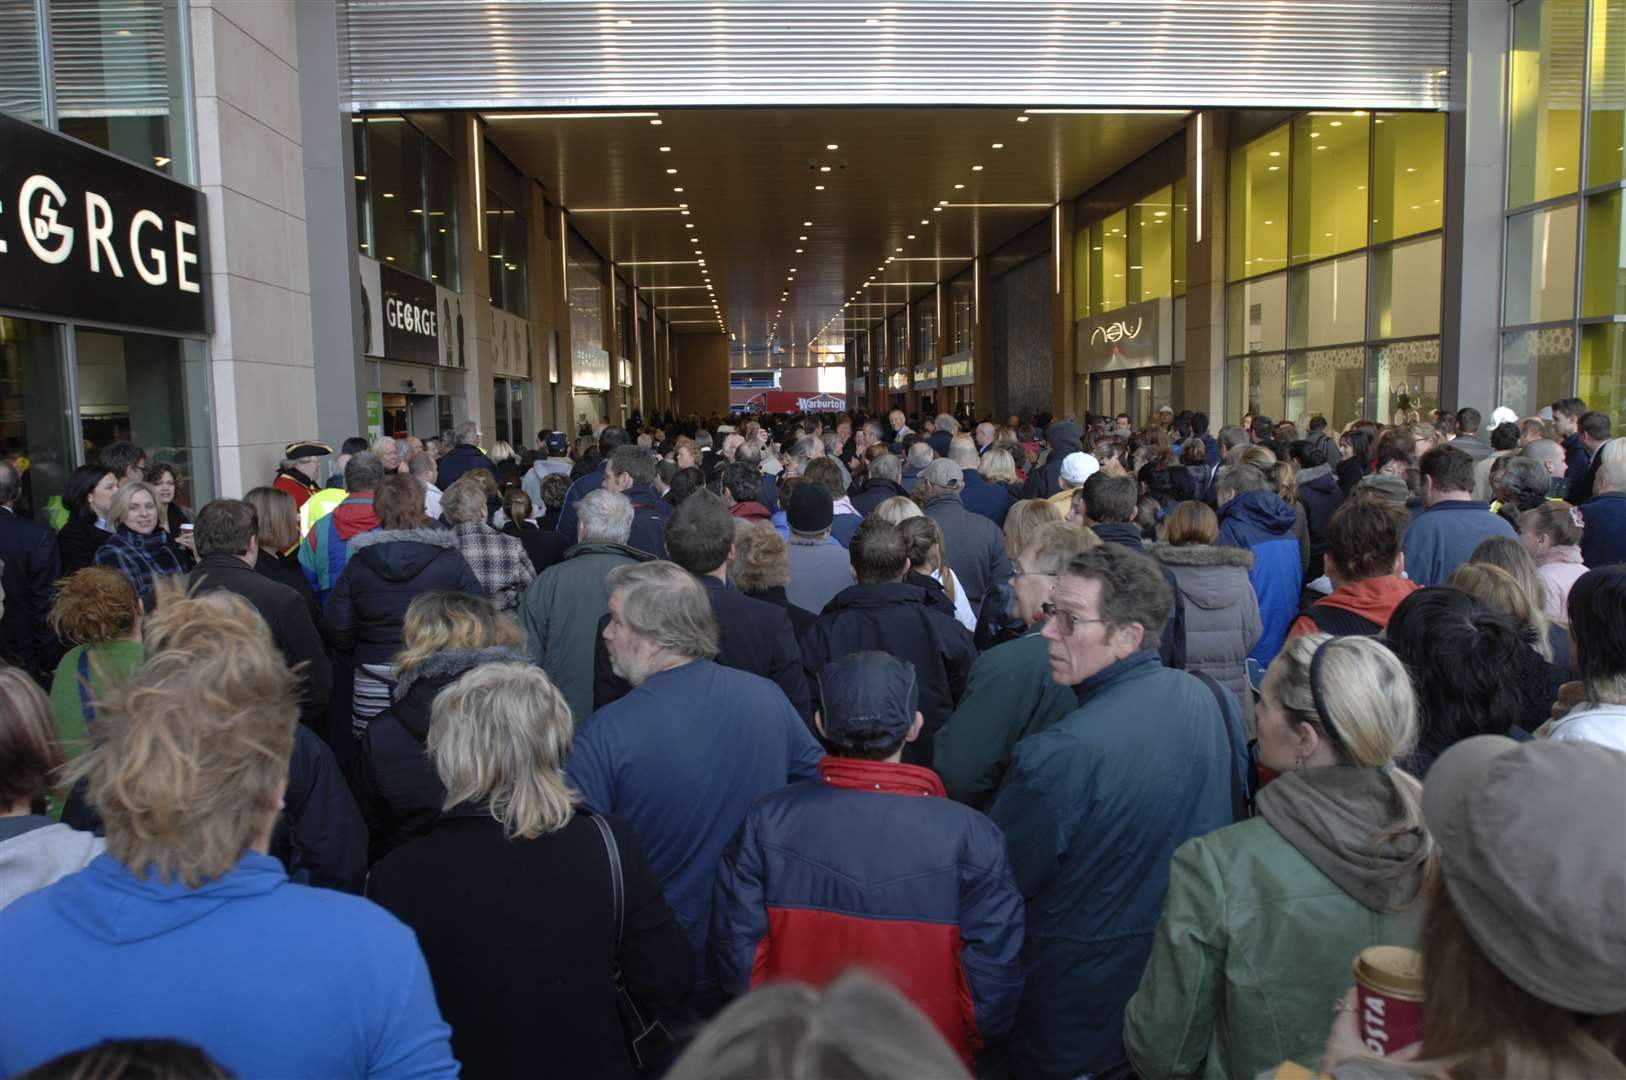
(974, 545)
(1222, 613)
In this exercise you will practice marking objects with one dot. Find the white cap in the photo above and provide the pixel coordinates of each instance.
(1078, 467)
(1503, 415)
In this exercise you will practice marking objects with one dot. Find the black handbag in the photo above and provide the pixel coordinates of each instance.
(646, 1036)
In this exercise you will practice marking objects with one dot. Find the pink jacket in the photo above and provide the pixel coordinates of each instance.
(1560, 568)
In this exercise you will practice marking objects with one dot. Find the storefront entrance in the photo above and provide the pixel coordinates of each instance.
(1138, 393)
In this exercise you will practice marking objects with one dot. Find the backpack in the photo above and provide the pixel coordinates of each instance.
(1340, 623)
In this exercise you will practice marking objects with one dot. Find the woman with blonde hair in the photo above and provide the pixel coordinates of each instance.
(1023, 522)
(532, 912)
(1263, 918)
(34, 849)
(99, 612)
(140, 548)
(1551, 535)
(444, 635)
(760, 568)
(898, 509)
(1535, 676)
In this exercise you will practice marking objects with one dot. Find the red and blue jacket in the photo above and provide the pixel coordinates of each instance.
(872, 866)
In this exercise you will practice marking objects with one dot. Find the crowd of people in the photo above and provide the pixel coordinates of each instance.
(808, 746)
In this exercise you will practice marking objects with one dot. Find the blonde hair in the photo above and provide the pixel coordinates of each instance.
(29, 753)
(498, 736)
(1487, 578)
(1284, 478)
(464, 503)
(997, 466)
(761, 557)
(188, 758)
(502, 450)
(438, 621)
(1371, 718)
(277, 517)
(1023, 521)
(897, 510)
(126, 495)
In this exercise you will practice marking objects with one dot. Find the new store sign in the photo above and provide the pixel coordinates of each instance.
(1138, 335)
(85, 234)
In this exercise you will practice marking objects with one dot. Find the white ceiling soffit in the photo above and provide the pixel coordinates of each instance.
(422, 54)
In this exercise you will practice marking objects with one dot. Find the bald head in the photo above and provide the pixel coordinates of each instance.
(1549, 453)
(963, 452)
(1611, 477)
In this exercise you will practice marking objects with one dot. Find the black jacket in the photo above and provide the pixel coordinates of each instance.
(1171, 647)
(396, 786)
(285, 570)
(649, 513)
(872, 493)
(801, 619)
(753, 636)
(898, 619)
(286, 613)
(543, 546)
(1349, 473)
(387, 570)
(1321, 497)
(520, 938)
(1045, 481)
(78, 542)
(936, 595)
(31, 567)
(460, 460)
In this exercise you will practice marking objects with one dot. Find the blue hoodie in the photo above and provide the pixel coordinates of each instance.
(1263, 523)
(268, 977)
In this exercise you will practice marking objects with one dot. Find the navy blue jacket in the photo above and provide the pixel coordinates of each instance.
(872, 493)
(459, 462)
(992, 501)
(1172, 643)
(683, 757)
(1092, 811)
(1577, 459)
(31, 566)
(1604, 541)
(1263, 523)
(649, 514)
(579, 490)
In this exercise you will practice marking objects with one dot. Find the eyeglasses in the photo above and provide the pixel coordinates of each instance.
(1066, 620)
(1018, 572)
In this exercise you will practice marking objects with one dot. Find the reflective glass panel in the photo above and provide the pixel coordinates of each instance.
(1081, 273)
(1114, 263)
(1538, 367)
(1258, 384)
(1150, 248)
(364, 202)
(1329, 302)
(1177, 238)
(1407, 377)
(1406, 289)
(395, 175)
(1408, 174)
(1603, 370)
(1257, 316)
(1329, 184)
(34, 431)
(22, 86)
(1331, 382)
(1545, 75)
(1539, 285)
(1603, 275)
(1258, 206)
(1606, 107)
(440, 198)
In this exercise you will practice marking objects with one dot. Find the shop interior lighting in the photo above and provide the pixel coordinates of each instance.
(572, 116)
(1104, 112)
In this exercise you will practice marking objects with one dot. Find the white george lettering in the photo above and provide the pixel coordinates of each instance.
(40, 202)
(405, 315)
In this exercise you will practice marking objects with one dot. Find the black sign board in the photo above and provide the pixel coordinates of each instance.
(85, 234)
(411, 319)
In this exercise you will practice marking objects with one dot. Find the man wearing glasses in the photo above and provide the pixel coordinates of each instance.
(1094, 807)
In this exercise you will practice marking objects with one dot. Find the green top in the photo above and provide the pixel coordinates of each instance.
(108, 660)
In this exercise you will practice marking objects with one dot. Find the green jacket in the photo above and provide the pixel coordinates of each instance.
(112, 659)
(561, 610)
(1008, 696)
(1256, 943)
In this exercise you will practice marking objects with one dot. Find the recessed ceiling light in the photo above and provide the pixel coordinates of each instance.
(938, 209)
(688, 224)
(818, 187)
(898, 249)
(923, 221)
(685, 213)
(1022, 119)
(976, 168)
(999, 146)
(957, 187)
(824, 168)
(678, 190)
(666, 149)
(801, 238)
(807, 224)
(942, 202)
(671, 172)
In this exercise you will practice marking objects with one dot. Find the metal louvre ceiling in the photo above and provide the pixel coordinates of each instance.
(405, 54)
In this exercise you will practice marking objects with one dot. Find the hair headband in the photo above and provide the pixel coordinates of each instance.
(1327, 725)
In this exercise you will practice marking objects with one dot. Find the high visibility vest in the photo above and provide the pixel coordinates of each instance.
(319, 506)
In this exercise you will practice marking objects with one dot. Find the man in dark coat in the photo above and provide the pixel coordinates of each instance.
(631, 471)
(30, 568)
(608, 439)
(1604, 541)
(882, 612)
(753, 635)
(1045, 481)
(882, 481)
(464, 457)
(975, 545)
(1110, 509)
(226, 537)
(1088, 815)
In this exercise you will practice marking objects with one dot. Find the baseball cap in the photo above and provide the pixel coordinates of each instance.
(868, 700)
(1532, 859)
(943, 473)
(1503, 415)
(1078, 467)
(811, 509)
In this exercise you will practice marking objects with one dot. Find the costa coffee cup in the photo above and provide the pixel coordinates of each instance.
(1389, 997)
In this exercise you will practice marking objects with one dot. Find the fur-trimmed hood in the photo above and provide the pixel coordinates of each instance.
(402, 554)
(1201, 555)
(426, 535)
(455, 662)
(1314, 473)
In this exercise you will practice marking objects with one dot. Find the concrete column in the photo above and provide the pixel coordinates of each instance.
(1475, 179)
(1207, 138)
(612, 343)
(474, 251)
(251, 167)
(542, 275)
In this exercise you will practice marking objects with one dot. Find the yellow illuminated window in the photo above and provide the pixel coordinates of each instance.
(1606, 145)
(1178, 237)
(1408, 174)
(1257, 319)
(1539, 281)
(1258, 210)
(1114, 263)
(1406, 289)
(1603, 369)
(1329, 184)
(1081, 273)
(1150, 254)
(1545, 74)
(1329, 302)
(1603, 277)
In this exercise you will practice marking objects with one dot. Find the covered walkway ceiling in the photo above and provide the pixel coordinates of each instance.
(798, 212)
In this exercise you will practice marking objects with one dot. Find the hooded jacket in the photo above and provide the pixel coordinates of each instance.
(1262, 921)
(1321, 497)
(1373, 600)
(396, 785)
(538, 472)
(388, 569)
(649, 514)
(36, 851)
(1221, 613)
(897, 619)
(326, 547)
(267, 977)
(870, 864)
(751, 511)
(1263, 523)
(1045, 481)
(1561, 567)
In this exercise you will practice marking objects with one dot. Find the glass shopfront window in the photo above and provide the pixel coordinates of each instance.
(506, 236)
(1260, 383)
(1538, 367)
(1257, 319)
(1406, 289)
(1540, 282)
(1406, 377)
(590, 361)
(1258, 210)
(1606, 100)
(1603, 274)
(405, 201)
(1545, 74)
(1328, 302)
(1329, 168)
(1150, 251)
(1603, 367)
(1408, 175)
(34, 410)
(962, 305)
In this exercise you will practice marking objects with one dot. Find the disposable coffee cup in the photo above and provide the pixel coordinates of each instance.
(1389, 997)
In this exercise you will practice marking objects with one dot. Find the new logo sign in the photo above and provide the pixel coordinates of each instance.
(86, 234)
(1116, 331)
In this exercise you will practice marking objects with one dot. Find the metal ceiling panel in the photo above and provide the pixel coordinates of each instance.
(492, 54)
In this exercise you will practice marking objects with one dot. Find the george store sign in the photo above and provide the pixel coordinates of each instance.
(411, 316)
(85, 234)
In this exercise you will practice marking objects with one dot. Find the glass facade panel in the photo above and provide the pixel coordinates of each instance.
(117, 69)
(1329, 170)
(1603, 275)
(1603, 370)
(1329, 302)
(22, 83)
(34, 408)
(1408, 174)
(1257, 320)
(1407, 376)
(1108, 278)
(1539, 283)
(962, 303)
(505, 236)
(1083, 302)
(1177, 236)
(440, 201)
(364, 199)
(1258, 384)
(926, 331)
(1150, 250)
(1406, 289)
(1538, 367)
(1606, 106)
(1545, 74)
(1258, 206)
(1328, 382)
(395, 175)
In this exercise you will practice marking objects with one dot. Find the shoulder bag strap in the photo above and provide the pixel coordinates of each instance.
(1240, 800)
(617, 886)
(85, 705)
